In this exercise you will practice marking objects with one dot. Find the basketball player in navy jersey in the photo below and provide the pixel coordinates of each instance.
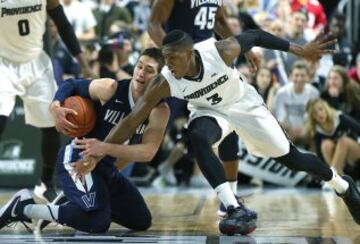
(200, 19)
(26, 71)
(104, 195)
(222, 101)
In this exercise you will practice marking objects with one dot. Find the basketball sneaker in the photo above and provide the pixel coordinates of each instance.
(60, 199)
(251, 213)
(45, 191)
(352, 199)
(235, 223)
(13, 210)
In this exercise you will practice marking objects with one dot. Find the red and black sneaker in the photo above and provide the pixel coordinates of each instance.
(234, 222)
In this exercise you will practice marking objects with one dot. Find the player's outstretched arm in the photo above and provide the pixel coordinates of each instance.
(67, 34)
(143, 152)
(231, 47)
(315, 49)
(160, 12)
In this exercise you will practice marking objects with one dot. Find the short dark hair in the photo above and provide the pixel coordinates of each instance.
(155, 53)
(178, 39)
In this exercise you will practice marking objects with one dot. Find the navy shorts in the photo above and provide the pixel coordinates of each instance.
(104, 188)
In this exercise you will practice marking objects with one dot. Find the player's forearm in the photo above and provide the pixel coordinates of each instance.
(65, 30)
(127, 127)
(260, 38)
(130, 153)
(156, 33)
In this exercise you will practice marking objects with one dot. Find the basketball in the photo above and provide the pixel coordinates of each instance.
(86, 115)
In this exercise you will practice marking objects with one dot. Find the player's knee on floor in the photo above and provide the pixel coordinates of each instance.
(97, 221)
(141, 220)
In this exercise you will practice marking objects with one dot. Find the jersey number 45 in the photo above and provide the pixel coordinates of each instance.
(205, 18)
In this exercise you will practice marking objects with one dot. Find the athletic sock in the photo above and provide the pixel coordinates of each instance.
(226, 195)
(338, 183)
(42, 211)
(233, 186)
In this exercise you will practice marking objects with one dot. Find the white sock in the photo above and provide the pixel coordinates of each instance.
(338, 183)
(42, 211)
(233, 185)
(226, 195)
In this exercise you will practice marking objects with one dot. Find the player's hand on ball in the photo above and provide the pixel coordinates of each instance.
(61, 123)
(92, 147)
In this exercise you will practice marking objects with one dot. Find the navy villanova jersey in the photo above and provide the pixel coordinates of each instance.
(196, 17)
(114, 110)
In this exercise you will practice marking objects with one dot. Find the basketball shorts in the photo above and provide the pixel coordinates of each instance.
(98, 189)
(34, 82)
(252, 121)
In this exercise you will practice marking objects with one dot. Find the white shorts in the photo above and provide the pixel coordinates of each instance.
(252, 121)
(34, 82)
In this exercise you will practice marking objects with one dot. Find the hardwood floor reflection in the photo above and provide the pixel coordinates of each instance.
(283, 213)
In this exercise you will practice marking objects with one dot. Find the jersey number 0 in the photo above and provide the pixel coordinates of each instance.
(205, 18)
(24, 28)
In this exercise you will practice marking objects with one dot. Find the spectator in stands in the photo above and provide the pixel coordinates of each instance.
(316, 79)
(290, 103)
(354, 73)
(265, 85)
(342, 93)
(81, 18)
(275, 59)
(294, 33)
(343, 47)
(336, 135)
(106, 14)
(123, 50)
(140, 13)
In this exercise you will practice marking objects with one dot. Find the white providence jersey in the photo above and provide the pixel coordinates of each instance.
(218, 85)
(22, 25)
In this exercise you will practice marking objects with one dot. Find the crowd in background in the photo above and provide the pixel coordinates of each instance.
(318, 104)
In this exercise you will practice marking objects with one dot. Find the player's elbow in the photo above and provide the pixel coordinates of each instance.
(148, 154)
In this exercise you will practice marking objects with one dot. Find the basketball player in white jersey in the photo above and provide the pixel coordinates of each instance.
(26, 71)
(222, 101)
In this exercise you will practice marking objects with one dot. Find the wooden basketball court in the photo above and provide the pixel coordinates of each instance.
(286, 215)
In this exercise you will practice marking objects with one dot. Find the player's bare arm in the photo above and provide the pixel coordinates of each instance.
(143, 152)
(67, 34)
(221, 26)
(102, 89)
(231, 47)
(157, 89)
(160, 13)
